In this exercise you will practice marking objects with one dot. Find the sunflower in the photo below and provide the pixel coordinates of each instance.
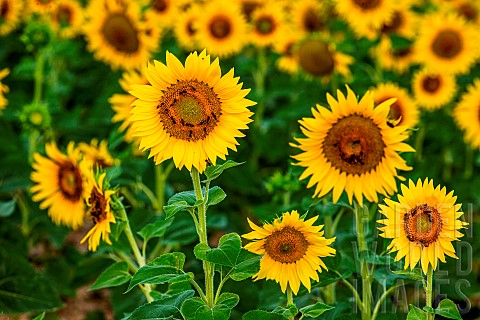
(247, 7)
(398, 60)
(352, 148)
(221, 28)
(97, 154)
(59, 185)
(117, 35)
(98, 199)
(467, 114)
(292, 250)
(403, 112)
(468, 9)
(164, 11)
(3, 88)
(268, 25)
(285, 45)
(403, 23)
(447, 43)
(189, 113)
(308, 16)
(432, 90)
(41, 7)
(10, 11)
(423, 224)
(184, 27)
(67, 17)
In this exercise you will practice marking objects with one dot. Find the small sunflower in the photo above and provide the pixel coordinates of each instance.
(221, 28)
(117, 35)
(67, 17)
(3, 88)
(184, 29)
(189, 113)
(10, 13)
(41, 7)
(98, 199)
(97, 154)
(446, 43)
(247, 7)
(308, 16)
(403, 23)
(468, 9)
(423, 224)
(352, 148)
(268, 22)
(398, 60)
(59, 185)
(467, 114)
(432, 90)
(164, 11)
(292, 250)
(403, 112)
(285, 45)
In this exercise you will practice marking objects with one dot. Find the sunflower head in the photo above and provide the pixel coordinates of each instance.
(35, 117)
(467, 114)
(433, 89)
(10, 14)
(291, 249)
(97, 154)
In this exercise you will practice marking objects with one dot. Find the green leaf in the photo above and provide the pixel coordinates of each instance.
(166, 268)
(289, 312)
(181, 201)
(164, 308)
(200, 251)
(196, 309)
(7, 208)
(117, 229)
(416, 313)
(247, 265)
(227, 252)
(39, 317)
(315, 310)
(415, 274)
(429, 309)
(115, 275)
(156, 229)
(215, 195)
(447, 308)
(262, 315)
(213, 172)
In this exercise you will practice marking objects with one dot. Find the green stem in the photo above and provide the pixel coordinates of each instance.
(329, 289)
(429, 292)
(199, 290)
(130, 197)
(208, 267)
(354, 291)
(379, 302)
(161, 176)
(38, 77)
(220, 286)
(468, 161)
(259, 79)
(150, 195)
(24, 212)
(419, 143)
(290, 298)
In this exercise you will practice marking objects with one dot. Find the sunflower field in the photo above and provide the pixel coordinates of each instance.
(239, 159)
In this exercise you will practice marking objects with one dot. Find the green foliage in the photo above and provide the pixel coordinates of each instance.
(213, 172)
(446, 308)
(315, 310)
(156, 229)
(167, 307)
(262, 315)
(7, 208)
(196, 309)
(416, 313)
(288, 312)
(115, 275)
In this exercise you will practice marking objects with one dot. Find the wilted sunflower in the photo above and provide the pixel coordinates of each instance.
(117, 35)
(403, 112)
(184, 29)
(467, 114)
(67, 17)
(10, 11)
(59, 185)
(98, 199)
(308, 16)
(399, 59)
(221, 28)
(189, 113)
(3, 88)
(97, 154)
(423, 224)
(447, 43)
(432, 90)
(352, 148)
(268, 24)
(292, 250)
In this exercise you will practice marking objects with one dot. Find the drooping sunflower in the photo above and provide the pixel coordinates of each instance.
(422, 224)
(184, 27)
(59, 185)
(97, 154)
(221, 28)
(432, 90)
(285, 45)
(98, 199)
(189, 113)
(292, 249)
(467, 114)
(308, 16)
(67, 17)
(398, 60)
(352, 148)
(268, 25)
(447, 43)
(10, 13)
(403, 112)
(3, 88)
(116, 34)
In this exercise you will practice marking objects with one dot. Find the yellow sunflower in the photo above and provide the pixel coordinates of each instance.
(184, 27)
(59, 185)
(468, 9)
(432, 90)
(447, 43)
(98, 199)
(67, 17)
(352, 148)
(403, 23)
(292, 250)
(164, 11)
(247, 7)
(117, 35)
(10, 11)
(398, 60)
(403, 112)
(285, 45)
(308, 16)
(3, 88)
(97, 154)
(268, 25)
(41, 7)
(221, 28)
(189, 113)
(467, 114)
(423, 224)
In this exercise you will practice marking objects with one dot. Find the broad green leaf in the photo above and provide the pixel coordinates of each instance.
(416, 313)
(196, 309)
(200, 251)
(156, 229)
(227, 252)
(315, 310)
(262, 315)
(115, 275)
(247, 265)
(176, 207)
(166, 268)
(213, 172)
(40, 316)
(7, 208)
(181, 201)
(415, 274)
(183, 233)
(117, 229)
(164, 308)
(289, 312)
(215, 195)
(447, 308)
(429, 309)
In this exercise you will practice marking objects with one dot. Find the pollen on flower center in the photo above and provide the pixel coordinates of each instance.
(431, 83)
(423, 224)
(286, 245)
(367, 4)
(447, 44)
(70, 181)
(189, 110)
(354, 145)
(120, 33)
(220, 27)
(98, 207)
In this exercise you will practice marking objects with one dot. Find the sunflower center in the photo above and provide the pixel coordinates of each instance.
(120, 33)
(159, 5)
(220, 27)
(70, 181)
(423, 224)
(265, 25)
(190, 29)
(354, 145)
(4, 9)
(315, 58)
(396, 110)
(64, 15)
(98, 204)
(447, 44)
(312, 21)
(394, 24)
(468, 11)
(402, 52)
(189, 110)
(431, 83)
(286, 246)
(367, 4)
(248, 7)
